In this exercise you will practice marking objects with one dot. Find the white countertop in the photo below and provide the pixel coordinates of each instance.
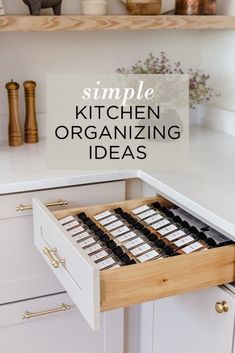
(205, 187)
(24, 169)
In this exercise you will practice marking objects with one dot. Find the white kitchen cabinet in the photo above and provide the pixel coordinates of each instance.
(60, 332)
(189, 323)
(23, 273)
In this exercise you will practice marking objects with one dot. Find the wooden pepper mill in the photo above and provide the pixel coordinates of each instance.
(15, 135)
(31, 127)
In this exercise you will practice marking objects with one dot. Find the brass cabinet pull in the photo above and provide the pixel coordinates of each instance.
(52, 256)
(59, 202)
(30, 315)
(221, 307)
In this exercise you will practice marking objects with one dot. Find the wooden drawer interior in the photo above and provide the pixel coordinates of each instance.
(94, 291)
(140, 283)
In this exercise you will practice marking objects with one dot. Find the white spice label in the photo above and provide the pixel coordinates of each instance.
(106, 263)
(102, 215)
(148, 256)
(153, 219)
(168, 229)
(140, 209)
(99, 255)
(93, 248)
(71, 225)
(120, 231)
(66, 220)
(87, 242)
(81, 236)
(184, 241)
(114, 225)
(191, 248)
(160, 224)
(126, 236)
(75, 231)
(146, 214)
(108, 220)
(141, 249)
(132, 243)
(175, 235)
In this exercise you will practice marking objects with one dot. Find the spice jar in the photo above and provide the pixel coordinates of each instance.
(187, 7)
(208, 7)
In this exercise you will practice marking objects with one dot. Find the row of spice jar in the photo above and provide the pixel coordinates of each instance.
(115, 238)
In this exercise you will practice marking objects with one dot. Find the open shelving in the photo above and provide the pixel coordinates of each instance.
(112, 22)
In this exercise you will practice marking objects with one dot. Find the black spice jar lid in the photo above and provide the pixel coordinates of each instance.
(118, 210)
(170, 214)
(160, 244)
(202, 236)
(125, 258)
(111, 244)
(125, 215)
(118, 251)
(94, 227)
(99, 232)
(133, 222)
(194, 230)
(146, 231)
(138, 226)
(177, 219)
(168, 250)
(105, 238)
(130, 218)
(82, 216)
(205, 229)
(164, 209)
(211, 242)
(131, 262)
(185, 224)
(152, 237)
(156, 205)
(88, 222)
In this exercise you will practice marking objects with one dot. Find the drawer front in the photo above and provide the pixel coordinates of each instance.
(23, 272)
(127, 285)
(53, 323)
(27, 311)
(19, 205)
(78, 273)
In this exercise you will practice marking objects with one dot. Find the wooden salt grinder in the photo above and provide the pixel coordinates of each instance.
(15, 135)
(31, 127)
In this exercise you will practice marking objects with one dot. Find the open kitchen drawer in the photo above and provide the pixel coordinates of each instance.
(94, 291)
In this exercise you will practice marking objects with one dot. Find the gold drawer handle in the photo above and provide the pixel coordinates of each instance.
(59, 202)
(52, 256)
(221, 307)
(62, 307)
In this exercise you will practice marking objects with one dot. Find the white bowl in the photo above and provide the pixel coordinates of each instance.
(93, 7)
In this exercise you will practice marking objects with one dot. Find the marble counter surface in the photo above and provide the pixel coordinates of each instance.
(206, 186)
(24, 169)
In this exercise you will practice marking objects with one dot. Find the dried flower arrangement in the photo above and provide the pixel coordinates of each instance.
(199, 91)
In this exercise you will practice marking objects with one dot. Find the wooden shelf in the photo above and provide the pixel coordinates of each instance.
(112, 22)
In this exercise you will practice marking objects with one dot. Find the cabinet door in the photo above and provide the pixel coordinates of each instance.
(190, 323)
(56, 330)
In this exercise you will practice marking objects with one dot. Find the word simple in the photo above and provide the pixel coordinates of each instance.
(125, 94)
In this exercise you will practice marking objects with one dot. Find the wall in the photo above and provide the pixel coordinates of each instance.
(34, 55)
(218, 60)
